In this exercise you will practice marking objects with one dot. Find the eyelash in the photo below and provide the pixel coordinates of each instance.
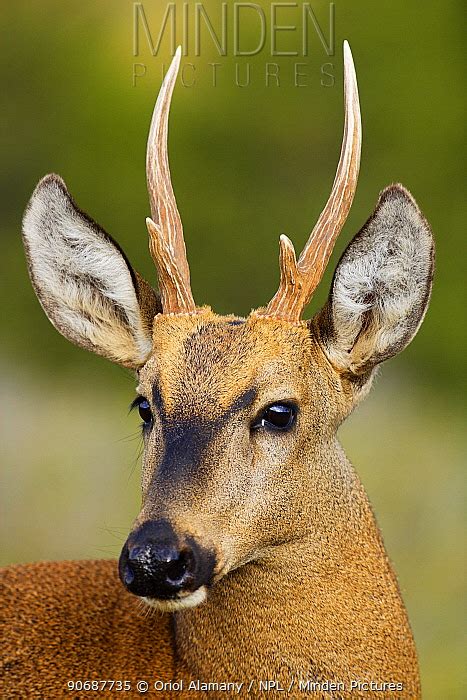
(134, 404)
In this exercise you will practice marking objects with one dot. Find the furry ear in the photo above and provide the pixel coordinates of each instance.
(381, 286)
(83, 280)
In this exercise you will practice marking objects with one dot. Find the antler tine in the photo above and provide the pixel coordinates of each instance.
(300, 279)
(166, 242)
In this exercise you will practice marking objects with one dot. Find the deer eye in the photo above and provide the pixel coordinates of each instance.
(144, 410)
(278, 416)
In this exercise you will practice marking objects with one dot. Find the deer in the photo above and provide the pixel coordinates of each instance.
(255, 556)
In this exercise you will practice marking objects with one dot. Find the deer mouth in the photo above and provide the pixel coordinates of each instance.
(181, 602)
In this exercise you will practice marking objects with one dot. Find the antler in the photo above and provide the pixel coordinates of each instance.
(166, 242)
(299, 279)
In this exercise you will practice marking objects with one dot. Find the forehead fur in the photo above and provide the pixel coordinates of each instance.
(206, 358)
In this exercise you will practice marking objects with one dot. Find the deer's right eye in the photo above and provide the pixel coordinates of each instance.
(144, 410)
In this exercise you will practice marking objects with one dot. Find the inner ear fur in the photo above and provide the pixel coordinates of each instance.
(83, 280)
(381, 286)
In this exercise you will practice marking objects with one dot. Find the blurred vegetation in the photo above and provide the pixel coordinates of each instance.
(248, 163)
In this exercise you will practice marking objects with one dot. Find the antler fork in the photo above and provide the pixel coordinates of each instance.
(299, 279)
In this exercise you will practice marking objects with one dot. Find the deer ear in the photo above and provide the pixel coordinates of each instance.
(381, 286)
(83, 280)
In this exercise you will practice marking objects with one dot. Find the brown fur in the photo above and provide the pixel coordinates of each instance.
(50, 636)
(319, 598)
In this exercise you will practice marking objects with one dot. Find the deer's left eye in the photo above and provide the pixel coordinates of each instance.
(278, 416)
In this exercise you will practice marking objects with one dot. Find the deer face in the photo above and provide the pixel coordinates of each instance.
(239, 415)
(228, 407)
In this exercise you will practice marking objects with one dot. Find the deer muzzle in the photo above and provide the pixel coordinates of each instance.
(167, 571)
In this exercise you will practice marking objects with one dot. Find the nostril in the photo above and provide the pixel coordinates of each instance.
(128, 575)
(178, 570)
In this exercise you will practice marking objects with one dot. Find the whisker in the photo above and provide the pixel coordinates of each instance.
(113, 550)
(115, 532)
(137, 458)
(129, 438)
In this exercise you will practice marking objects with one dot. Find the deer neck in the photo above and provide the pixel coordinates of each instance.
(290, 612)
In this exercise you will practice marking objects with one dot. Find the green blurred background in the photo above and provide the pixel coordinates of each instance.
(248, 163)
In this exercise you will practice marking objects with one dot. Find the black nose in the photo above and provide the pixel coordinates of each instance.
(153, 564)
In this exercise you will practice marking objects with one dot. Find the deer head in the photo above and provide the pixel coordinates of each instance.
(239, 415)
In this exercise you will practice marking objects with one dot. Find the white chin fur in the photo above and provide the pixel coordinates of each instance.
(189, 601)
